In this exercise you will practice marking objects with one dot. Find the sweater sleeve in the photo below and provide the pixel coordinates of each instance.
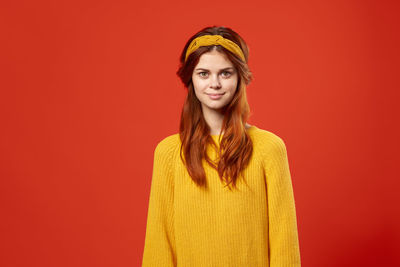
(159, 248)
(283, 235)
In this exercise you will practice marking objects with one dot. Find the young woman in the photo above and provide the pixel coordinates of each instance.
(221, 191)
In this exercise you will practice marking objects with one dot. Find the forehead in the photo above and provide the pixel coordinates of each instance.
(214, 60)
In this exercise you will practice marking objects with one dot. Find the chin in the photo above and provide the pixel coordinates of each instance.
(215, 107)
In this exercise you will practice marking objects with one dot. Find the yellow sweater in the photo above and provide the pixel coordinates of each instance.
(188, 226)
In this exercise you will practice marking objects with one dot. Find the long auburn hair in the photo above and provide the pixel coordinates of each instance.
(236, 146)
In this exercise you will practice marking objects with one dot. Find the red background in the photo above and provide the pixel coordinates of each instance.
(88, 88)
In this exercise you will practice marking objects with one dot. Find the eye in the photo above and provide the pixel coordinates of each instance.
(226, 73)
(203, 74)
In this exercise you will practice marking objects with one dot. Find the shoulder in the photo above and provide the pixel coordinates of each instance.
(269, 143)
(168, 145)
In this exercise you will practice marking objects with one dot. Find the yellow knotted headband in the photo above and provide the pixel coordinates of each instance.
(207, 40)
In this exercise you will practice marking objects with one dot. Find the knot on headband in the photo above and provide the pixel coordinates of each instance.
(207, 40)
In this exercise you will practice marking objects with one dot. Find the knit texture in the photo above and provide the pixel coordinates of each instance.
(189, 226)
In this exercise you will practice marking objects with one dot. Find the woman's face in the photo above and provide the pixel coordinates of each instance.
(214, 80)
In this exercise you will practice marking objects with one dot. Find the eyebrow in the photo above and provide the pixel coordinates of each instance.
(228, 68)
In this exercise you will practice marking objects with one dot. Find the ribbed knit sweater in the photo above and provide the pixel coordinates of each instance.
(189, 226)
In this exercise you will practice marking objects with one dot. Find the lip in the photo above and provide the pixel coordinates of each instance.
(215, 96)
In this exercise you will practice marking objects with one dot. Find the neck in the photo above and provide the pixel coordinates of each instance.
(214, 120)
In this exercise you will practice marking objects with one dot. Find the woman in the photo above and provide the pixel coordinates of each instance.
(221, 192)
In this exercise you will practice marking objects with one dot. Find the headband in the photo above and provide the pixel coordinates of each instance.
(206, 40)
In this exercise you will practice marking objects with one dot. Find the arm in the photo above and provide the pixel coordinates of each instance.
(159, 248)
(283, 236)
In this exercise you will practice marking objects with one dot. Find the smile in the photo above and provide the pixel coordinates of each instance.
(215, 96)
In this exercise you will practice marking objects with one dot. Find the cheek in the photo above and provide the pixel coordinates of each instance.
(197, 88)
(231, 84)
(198, 84)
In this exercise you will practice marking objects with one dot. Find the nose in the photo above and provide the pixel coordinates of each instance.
(215, 82)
